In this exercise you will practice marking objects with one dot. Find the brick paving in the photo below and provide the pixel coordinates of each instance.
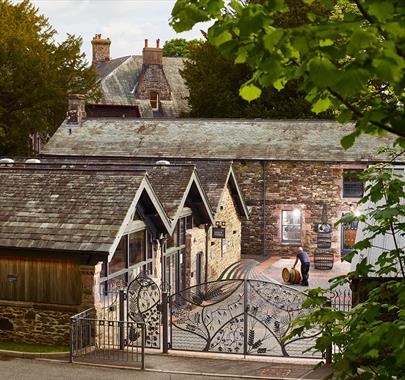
(273, 266)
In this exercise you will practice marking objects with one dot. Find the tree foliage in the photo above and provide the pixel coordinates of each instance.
(348, 54)
(36, 75)
(178, 47)
(218, 94)
(370, 339)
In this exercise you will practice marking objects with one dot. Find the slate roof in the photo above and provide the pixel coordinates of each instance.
(213, 175)
(64, 210)
(206, 139)
(119, 77)
(170, 184)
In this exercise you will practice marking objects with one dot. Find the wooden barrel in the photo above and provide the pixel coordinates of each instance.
(291, 276)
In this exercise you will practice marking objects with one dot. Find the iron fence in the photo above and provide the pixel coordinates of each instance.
(95, 340)
(341, 299)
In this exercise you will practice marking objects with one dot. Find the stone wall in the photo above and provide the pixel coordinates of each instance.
(288, 186)
(27, 322)
(195, 244)
(153, 79)
(224, 252)
(46, 323)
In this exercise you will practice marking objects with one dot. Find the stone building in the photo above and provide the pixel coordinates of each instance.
(72, 229)
(288, 170)
(138, 86)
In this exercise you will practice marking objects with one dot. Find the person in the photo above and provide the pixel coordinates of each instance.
(303, 257)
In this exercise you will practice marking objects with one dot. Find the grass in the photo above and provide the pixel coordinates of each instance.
(25, 347)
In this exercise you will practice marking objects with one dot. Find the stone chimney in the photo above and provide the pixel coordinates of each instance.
(152, 56)
(77, 109)
(101, 49)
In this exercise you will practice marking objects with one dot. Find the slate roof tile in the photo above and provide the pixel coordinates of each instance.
(62, 209)
(205, 139)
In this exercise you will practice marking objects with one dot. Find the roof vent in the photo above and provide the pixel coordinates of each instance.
(32, 161)
(6, 161)
(162, 162)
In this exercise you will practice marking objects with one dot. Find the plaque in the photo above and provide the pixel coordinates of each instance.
(218, 232)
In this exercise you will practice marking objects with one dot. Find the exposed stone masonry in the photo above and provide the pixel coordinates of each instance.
(290, 185)
(27, 322)
(153, 79)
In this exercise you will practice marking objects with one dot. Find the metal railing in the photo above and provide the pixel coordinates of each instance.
(100, 340)
(341, 299)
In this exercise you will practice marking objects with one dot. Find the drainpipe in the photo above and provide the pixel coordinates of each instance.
(264, 189)
(207, 227)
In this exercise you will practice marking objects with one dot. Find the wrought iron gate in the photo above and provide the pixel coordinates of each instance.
(143, 296)
(247, 317)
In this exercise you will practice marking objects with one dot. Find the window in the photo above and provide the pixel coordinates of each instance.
(291, 226)
(119, 260)
(154, 100)
(349, 231)
(137, 247)
(352, 185)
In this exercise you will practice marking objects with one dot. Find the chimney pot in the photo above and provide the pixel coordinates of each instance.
(152, 55)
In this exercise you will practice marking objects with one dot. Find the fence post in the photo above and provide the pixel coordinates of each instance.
(71, 345)
(122, 318)
(143, 334)
(165, 323)
(328, 352)
(245, 317)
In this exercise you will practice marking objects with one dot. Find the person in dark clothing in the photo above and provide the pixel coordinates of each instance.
(303, 257)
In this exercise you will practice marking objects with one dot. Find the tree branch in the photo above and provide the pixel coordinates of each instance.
(359, 114)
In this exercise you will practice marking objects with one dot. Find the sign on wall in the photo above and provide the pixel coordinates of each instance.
(218, 232)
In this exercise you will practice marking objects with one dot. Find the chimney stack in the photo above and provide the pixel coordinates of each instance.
(152, 56)
(76, 110)
(101, 49)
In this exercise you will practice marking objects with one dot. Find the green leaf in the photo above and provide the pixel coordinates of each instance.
(272, 38)
(242, 56)
(250, 92)
(345, 116)
(321, 105)
(279, 83)
(221, 38)
(322, 71)
(360, 39)
(382, 10)
(348, 140)
(351, 82)
(326, 42)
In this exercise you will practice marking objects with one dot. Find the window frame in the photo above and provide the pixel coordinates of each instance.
(290, 241)
(346, 193)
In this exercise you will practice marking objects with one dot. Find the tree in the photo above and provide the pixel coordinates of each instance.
(218, 94)
(36, 75)
(349, 56)
(178, 47)
(370, 339)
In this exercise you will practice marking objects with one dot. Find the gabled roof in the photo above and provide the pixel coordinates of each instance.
(77, 210)
(177, 185)
(205, 139)
(215, 177)
(118, 79)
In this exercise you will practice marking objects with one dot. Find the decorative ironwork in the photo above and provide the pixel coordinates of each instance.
(323, 258)
(248, 317)
(144, 305)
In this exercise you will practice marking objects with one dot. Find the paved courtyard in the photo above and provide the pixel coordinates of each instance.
(272, 268)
